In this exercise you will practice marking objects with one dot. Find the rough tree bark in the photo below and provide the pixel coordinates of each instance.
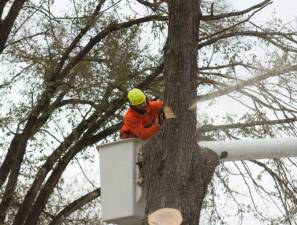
(176, 170)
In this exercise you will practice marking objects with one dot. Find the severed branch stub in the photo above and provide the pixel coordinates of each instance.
(165, 113)
(168, 112)
(165, 216)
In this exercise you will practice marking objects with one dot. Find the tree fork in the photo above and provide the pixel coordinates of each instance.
(176, 170)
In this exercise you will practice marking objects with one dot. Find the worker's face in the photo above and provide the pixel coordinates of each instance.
(141, 108)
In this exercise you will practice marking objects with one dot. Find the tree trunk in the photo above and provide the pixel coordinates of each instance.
(7, 24)
(176, 171)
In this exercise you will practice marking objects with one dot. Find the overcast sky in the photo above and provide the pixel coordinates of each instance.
(285, 9)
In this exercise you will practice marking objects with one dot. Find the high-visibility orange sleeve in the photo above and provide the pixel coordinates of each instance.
(138, 129)
(157, 105)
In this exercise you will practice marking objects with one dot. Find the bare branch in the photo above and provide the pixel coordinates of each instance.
(263, 35)
(76, 102)
(238, 13)
(217, 74)
(242, 84)
(278, 179)
(267, 104)
(231, 27)
(7, 83)
(24, 39)
(153, 6)
(57, 220)
(207, 128)
(147, 3)
(227, 66)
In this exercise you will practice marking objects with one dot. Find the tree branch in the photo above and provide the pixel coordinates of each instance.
(269, 105)
(47, 166)
(44, 102)
(153, 6)
(238, 13)
(82, 32)
(86, 140)
(232, 65)
(262, 35)
(208, 128)
(7, 24)
(76, 102)
(77, 204)
(281, 182)
(112, 27)
(242, 84)
(147, 3)
(230, 27)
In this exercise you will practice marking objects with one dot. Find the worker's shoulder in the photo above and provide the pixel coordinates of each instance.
(156, 104)
(130, 115)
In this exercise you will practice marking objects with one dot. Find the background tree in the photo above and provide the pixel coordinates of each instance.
(53, 88)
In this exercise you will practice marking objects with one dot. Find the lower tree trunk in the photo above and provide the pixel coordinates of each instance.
(176, 171)
(14, 158)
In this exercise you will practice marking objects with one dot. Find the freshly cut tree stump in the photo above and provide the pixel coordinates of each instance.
(165, 216)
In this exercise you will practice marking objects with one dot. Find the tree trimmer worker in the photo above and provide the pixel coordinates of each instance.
(141, 121)
(142, 118)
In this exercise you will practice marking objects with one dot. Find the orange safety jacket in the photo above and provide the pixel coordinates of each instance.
(141, 126)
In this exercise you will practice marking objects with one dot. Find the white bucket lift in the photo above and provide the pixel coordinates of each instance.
(123, 201)
(249, 149)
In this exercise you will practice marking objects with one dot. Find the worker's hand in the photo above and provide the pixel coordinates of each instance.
(157, 122)
(161, 118)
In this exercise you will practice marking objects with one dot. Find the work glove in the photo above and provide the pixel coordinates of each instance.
(161, 116)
